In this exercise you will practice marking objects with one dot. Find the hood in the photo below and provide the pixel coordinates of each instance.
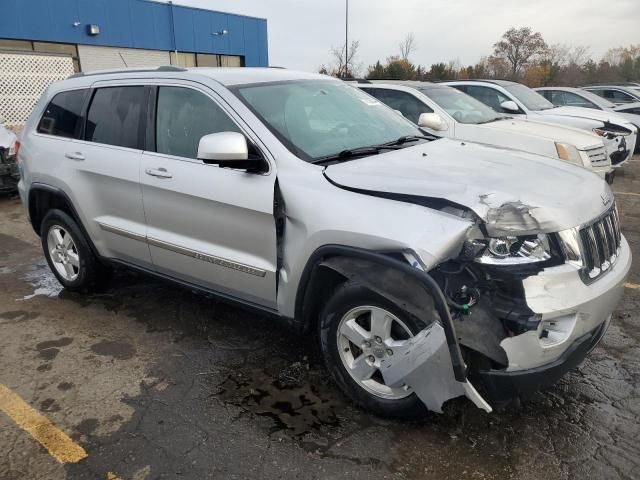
(581, 139)
(590, 113)
(7, 137)
(512, 192)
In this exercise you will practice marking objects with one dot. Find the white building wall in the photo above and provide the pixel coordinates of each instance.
(101, 58)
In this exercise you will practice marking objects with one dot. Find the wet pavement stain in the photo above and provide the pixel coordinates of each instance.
(64, 386)
(114, 348)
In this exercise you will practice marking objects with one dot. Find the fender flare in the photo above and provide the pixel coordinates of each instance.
(323, 255)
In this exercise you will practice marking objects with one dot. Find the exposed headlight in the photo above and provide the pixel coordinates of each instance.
(604, 133)
(569, 152)
(514, 250)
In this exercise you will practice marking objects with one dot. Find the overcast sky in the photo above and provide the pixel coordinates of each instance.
(302, 32)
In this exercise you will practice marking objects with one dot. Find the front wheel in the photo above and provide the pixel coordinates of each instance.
(358, 329)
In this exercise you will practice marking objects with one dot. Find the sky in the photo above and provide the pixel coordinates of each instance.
(302, 32)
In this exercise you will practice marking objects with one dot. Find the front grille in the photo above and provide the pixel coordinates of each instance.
(601, 244)
(597, 156)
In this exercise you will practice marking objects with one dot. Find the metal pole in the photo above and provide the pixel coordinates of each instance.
(346, 42)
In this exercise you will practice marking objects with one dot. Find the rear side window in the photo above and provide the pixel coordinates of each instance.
(63, 115)
(117, 115)
(184, 117)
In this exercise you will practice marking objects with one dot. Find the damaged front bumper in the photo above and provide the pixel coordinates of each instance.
(503, 386)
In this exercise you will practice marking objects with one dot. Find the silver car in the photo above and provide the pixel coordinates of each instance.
(426, 267)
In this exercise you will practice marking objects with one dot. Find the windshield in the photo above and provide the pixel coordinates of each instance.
(464, 108)
(529, 98)
(321, 118)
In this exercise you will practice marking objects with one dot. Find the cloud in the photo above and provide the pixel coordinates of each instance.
(301, 33)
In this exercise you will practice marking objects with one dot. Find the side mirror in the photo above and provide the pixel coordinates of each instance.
(225, 147)
(510, 106)
(432, 121)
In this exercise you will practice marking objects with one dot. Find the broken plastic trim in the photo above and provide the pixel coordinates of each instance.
(427, 282)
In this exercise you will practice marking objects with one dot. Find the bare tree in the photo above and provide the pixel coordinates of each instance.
(408, 46)
(346, 67)
(518, 47)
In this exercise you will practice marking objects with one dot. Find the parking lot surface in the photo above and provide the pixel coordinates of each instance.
(151, 380)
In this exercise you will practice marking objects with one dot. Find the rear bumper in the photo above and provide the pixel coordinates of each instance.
(503, 386)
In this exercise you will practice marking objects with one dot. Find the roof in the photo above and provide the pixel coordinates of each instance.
(225, 76)
(410, 83)
(236, 76)
(496, 82)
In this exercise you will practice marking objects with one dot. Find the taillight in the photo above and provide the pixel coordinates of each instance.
(16, 150)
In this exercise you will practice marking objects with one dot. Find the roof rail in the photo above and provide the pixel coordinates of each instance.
(164, 68)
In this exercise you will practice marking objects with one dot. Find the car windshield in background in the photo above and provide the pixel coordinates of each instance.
(529, 98)
(321, 118)
(462, 107)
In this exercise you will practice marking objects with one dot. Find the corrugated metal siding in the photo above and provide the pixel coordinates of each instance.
(100, 58)
(135, 24)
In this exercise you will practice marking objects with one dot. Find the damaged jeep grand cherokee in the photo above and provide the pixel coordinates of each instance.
(429, 268)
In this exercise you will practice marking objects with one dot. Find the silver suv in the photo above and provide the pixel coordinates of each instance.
(427, 267)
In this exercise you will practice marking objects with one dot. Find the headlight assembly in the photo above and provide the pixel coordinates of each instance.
(514, 250)
(569, 153)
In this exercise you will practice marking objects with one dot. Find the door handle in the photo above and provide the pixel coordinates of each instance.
(158, 172)
(74, 156)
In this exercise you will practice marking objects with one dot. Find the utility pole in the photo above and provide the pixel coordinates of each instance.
(346, 41)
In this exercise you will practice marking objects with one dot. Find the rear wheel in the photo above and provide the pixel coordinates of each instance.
(359, 329)
(68, 254)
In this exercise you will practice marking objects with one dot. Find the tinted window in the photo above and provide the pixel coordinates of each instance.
(634, 110)
(117, 117)
(184, 117)
(63, 114)
(618, 97)
(404, 102)
(488, 96)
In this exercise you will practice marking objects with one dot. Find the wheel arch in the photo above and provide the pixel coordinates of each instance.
(408, 287)
(42, 198)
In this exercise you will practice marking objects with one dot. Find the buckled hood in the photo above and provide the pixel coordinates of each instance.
(590, 113)
(512, 192)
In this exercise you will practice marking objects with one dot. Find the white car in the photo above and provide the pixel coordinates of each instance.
(8, 168)
(516, 99)
(449, 112)
(579, 97)
(618, 93)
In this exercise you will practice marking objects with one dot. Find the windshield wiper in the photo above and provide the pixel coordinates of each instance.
(356, 152)
(493, 120)
(409, 138)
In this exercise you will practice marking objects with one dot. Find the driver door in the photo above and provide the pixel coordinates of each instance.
(208, 226)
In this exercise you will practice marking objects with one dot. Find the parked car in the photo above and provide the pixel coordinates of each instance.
(8, 168)
(451, 113)
(513, 98)
(425, 266)
(578, 97)
(618, 94)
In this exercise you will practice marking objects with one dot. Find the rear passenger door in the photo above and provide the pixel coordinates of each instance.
(206, 225)
(106, 161)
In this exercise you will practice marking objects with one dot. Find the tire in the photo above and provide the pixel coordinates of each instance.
(75, 265)
(353, 299)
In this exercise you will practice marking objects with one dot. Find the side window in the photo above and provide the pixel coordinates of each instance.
(63, 115)
(574, 100)
(117, 117)
(404, 102)
(555, 96)
(619, 97)
(488, 96)
(184, 116)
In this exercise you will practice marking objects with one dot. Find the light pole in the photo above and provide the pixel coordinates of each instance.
(346, 41)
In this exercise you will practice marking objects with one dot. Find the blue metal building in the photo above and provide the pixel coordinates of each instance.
(109, 33)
